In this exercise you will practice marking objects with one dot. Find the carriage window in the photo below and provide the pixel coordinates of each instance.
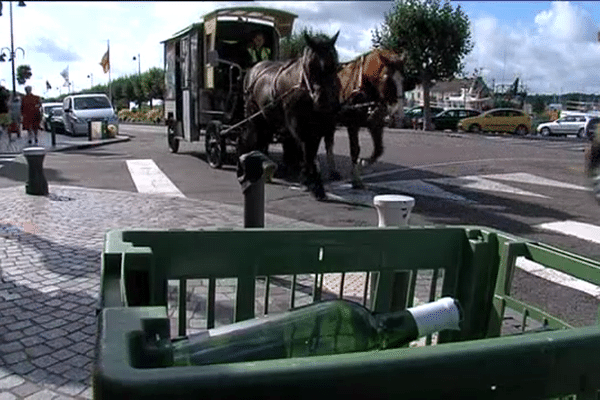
(184, 63)
(170, 72)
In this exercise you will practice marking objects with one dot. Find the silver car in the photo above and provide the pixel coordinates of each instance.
(569, 125)
(80, 109)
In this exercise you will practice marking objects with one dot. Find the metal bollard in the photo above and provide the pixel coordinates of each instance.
(36, 184)
(394, 210)
(53, 133)
(252, 170)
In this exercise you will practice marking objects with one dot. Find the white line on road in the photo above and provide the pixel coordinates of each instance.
(479, 183)
(524, 177)
(581, 230)
(557, 277)
(148, 178)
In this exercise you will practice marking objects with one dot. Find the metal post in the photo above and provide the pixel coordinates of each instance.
(53, 133)
(36, 184)
(251, 171)
(394, 210)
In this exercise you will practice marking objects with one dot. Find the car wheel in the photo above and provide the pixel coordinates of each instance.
(545, 132)
(475, 128)
(521, 130)
(581, 133)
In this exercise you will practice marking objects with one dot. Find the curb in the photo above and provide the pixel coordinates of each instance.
(95, 143)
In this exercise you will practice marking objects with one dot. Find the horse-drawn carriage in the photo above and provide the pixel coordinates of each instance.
(205, 65)
(211, 90)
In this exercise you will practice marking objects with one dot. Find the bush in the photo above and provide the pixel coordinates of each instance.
(153, 116)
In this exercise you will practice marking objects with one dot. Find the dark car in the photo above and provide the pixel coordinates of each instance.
(591, 126)
(416, 114)
(47, 113)
(57, 123)
(448, 119)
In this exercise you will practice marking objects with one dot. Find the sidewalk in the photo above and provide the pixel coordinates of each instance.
(50, 249)
(63, 142)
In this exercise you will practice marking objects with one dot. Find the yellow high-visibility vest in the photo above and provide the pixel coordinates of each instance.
(265, 54)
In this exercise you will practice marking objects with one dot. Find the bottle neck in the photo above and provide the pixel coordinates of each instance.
(419, 321)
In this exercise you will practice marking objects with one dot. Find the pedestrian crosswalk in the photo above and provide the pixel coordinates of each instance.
(148, 178)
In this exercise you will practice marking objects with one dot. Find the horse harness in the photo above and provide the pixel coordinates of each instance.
(276, 100)
(358, 90)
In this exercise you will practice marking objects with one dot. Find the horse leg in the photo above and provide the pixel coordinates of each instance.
(377, 136)
(375, 123)
(334, 175)
(354, 152)
(313, 177)
(291, 156)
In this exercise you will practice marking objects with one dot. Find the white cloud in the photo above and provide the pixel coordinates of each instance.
(558, 53)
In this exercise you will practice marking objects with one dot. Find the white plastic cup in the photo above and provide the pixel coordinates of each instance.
(393, 209)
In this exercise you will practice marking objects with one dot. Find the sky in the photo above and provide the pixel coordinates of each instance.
(551, 46)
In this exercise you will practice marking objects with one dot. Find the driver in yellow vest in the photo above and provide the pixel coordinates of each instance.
(256, 49)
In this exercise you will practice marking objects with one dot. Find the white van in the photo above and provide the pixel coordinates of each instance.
(79, 109)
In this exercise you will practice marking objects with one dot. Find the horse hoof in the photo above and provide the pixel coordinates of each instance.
(364, 162)
(335, 176)
(358, 185)
(319, 193)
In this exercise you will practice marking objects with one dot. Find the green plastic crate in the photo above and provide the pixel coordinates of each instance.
(473, 264)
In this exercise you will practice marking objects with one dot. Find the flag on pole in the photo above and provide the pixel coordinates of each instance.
(105, 62)
(48, 86)
(65, 73)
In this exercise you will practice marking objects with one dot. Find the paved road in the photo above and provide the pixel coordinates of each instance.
(50, 246)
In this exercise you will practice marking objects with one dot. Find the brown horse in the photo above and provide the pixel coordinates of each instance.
(371, 87)
(299, 98)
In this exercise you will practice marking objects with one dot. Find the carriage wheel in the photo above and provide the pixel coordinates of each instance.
(215, 145)
(172, 140)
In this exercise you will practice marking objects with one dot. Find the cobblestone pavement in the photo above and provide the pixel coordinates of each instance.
(50, 250)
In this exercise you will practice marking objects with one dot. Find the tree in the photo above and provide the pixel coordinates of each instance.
(153, 83)
(433, 38)
(23, 73)
(292, 47)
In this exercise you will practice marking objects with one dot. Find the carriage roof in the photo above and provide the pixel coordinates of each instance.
(282, 20)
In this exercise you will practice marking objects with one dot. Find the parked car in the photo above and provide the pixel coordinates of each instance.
(47, 113)
(448, 119)
(80, 109)
(569, 125)
(56, 120)
(591, 126)
(498, 120)
(416, 114)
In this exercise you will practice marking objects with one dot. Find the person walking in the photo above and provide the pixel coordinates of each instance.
(31, 110)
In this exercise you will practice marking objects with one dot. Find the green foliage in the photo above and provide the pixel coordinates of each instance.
(293, 46)
(151, 85)
(433, 38)
(23, 74)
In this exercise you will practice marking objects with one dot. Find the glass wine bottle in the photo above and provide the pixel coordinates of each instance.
(321, 328)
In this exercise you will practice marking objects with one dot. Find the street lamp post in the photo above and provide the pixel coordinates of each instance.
(12, 47)
(91, 76)
(139, 64)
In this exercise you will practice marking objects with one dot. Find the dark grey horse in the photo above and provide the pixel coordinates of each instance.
(298, 98)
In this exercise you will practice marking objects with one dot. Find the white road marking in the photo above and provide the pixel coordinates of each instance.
(420, 187)
(557, 277)
(479, 183)
(524, 177)
(148, 178)
(580, 230)
(445, 164)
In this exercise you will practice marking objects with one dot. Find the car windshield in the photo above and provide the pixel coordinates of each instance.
(85, 103)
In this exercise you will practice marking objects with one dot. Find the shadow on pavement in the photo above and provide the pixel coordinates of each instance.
(18, 171)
